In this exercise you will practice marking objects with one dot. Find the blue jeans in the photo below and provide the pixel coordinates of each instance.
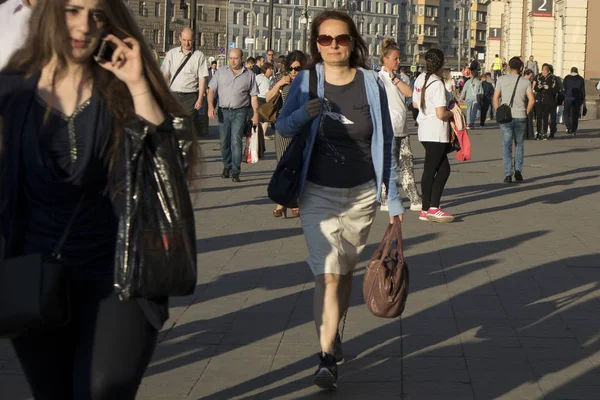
(513, 131)
(231, 133)
(472, 108)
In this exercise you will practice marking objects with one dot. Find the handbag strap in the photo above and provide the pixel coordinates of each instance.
(185, 60)
(68, 226)
(514, 91)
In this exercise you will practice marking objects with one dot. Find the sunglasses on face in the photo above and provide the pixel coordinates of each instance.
(297, 69)
(342, 40)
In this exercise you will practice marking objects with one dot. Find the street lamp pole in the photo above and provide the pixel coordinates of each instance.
(304, 21)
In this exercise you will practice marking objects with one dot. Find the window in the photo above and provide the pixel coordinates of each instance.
(246, 19)
(370, 28)
(217, 14)
(378, 7)
(155, 36)
(200, 14)
(289, 22)
(170, 37)
(216, 40)
(456, 33)
(481, 16)
(142, 10)
(236, 17)
(200, 39)
(157, 9)
(278, 22)
(403, 9)
(446, 12)
(171, 11)
(377, 29)
(481, 36)
(431, 11)
(421, 10)
(186, 13)
(386, 31)
(265, 20)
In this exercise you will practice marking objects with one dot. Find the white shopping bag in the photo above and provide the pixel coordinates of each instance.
(250, 153)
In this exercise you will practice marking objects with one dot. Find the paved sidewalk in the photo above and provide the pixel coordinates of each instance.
(504, 303)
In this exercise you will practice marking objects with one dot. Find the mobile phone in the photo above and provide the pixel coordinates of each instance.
(105, 51)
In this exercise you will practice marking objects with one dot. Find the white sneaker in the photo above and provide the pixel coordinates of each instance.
(384, 207)
(416, 207)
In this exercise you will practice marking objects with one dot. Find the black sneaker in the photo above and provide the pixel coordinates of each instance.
(508, 179)
(235, 177)
(226, 173)
(337, 350)
(518, 176)
(326, 375)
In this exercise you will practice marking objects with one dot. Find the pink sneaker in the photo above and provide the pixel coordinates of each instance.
(439, 215)
(423, 215)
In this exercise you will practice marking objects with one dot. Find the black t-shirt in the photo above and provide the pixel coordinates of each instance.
(341, 157)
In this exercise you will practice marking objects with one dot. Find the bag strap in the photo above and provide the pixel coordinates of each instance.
(514, 91)
(65, 234)
(185, 60)
(312, 84)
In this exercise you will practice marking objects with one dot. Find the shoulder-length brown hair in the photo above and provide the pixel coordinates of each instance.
(358, 57)
(48, 36)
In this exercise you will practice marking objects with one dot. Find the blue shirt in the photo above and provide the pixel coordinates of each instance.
(293, 118)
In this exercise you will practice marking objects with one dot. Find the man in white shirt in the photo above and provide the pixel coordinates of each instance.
(186, 73)
(14, 26)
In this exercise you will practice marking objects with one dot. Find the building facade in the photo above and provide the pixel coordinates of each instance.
(248, 23)
(162, 20)
(553, 31)
(457, 27)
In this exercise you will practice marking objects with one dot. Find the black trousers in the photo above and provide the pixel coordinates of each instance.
(542, 115)
(485, 106)
(571, 114)
(436, 171)
(100, 355)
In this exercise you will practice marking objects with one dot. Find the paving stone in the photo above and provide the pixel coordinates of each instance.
(503, 304)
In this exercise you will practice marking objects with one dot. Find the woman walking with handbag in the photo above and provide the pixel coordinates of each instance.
(294, 63)
(397, 91)
(61, 169)
(432, 98)
(348, 158)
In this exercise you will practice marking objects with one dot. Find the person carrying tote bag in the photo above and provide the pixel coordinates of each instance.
(347, 159)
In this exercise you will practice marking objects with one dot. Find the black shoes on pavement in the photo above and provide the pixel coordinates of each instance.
(235, 176)
(327, 372)
(518, 177)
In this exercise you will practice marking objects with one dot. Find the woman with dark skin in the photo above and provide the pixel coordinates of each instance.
(64, 115)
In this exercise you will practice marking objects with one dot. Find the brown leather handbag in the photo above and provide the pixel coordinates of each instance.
(385, 285)
(269, 111)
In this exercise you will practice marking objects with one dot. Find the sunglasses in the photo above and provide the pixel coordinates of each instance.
(342, 40)
(297, 69)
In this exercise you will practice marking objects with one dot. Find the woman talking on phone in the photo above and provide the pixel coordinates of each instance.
(64, 115)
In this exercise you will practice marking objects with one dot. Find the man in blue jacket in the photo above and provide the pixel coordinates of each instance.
(574, 98)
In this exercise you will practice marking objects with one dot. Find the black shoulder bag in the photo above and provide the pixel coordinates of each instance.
(285, 182)
(34, 290)
(504, 113)
(185, 60)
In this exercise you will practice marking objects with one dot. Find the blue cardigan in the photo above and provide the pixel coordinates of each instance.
(294, 117)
